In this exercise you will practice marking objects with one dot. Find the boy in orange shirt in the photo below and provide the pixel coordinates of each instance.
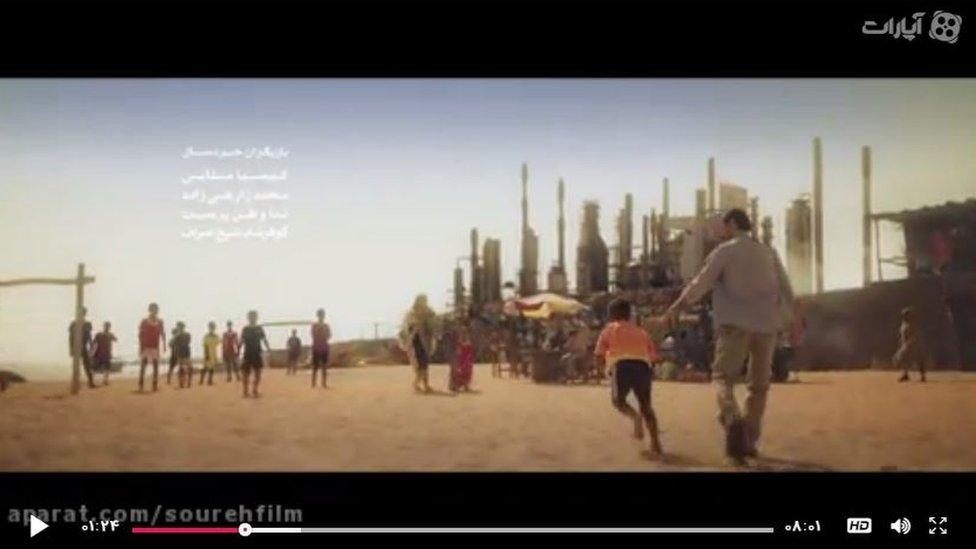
(629, 352)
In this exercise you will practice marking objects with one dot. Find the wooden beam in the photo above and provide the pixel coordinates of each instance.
(55, 281)
(288, 323)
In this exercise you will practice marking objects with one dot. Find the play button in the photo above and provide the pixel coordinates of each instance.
(36, 526)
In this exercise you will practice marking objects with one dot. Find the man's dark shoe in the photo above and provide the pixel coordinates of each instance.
(736, 440)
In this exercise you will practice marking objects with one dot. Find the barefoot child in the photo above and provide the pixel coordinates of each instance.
(151, 334)
(417, 352)
(211, 343)
(465, 361)
(231, 351)
(321, 333)
(103, 351)
(84, 352)
(294, 352)
(181, 348)
(628, 352)
(911, 349)
(253, 336)
(172, 356)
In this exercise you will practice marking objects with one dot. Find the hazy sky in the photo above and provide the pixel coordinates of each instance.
(387, 177)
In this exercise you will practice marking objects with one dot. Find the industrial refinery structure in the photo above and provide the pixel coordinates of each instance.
(843, 328)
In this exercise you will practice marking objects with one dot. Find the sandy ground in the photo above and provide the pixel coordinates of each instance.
(370, 419)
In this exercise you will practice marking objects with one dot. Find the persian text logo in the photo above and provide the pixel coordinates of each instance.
(943, 26)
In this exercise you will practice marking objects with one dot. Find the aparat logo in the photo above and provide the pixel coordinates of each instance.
(943, 26)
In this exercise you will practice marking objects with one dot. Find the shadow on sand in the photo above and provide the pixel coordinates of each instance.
(435, 392)
(805, 382)
(770, 463)
(671, 459)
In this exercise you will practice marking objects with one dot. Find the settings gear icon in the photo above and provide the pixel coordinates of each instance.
(945, 26)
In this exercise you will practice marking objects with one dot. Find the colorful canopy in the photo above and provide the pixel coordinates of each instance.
(543, 305)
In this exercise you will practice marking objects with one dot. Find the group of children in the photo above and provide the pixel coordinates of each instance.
(241, 354)
(151, 339)
(623, 348)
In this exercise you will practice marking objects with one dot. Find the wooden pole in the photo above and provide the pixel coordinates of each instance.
(818, 216)
(877, 250)
(866, 205)
(76, 336)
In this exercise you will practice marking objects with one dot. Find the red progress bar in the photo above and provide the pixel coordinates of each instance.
(184, 530)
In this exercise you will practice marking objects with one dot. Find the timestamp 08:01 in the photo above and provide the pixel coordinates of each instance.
(800, 526)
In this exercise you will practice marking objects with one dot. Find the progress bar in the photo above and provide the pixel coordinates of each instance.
(247, 530)
(512, 531)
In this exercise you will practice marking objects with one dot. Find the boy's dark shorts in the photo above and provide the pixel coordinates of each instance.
(102, 365)
(631, 375)
(252, 361)
(320, 358)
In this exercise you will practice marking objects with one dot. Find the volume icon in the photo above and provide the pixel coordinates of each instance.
(902, 526)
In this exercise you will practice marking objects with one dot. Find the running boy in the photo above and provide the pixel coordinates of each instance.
(629, 352)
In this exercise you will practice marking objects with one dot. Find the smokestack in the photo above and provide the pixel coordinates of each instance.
(476, 273)
(866, 200)
(474, 248)
(818, 215)
(627, 231)
(561, 197)
(652, 224)
(528, 272)
(666, 206)
(754, 216)
(458, 289)
(491, 271)
(629, 205)
(645, 255)
(711, 185)
(591, 253)
(525, 197)
(700, 205)
(699, 242)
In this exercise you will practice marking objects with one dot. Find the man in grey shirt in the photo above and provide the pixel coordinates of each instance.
(751, 297)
